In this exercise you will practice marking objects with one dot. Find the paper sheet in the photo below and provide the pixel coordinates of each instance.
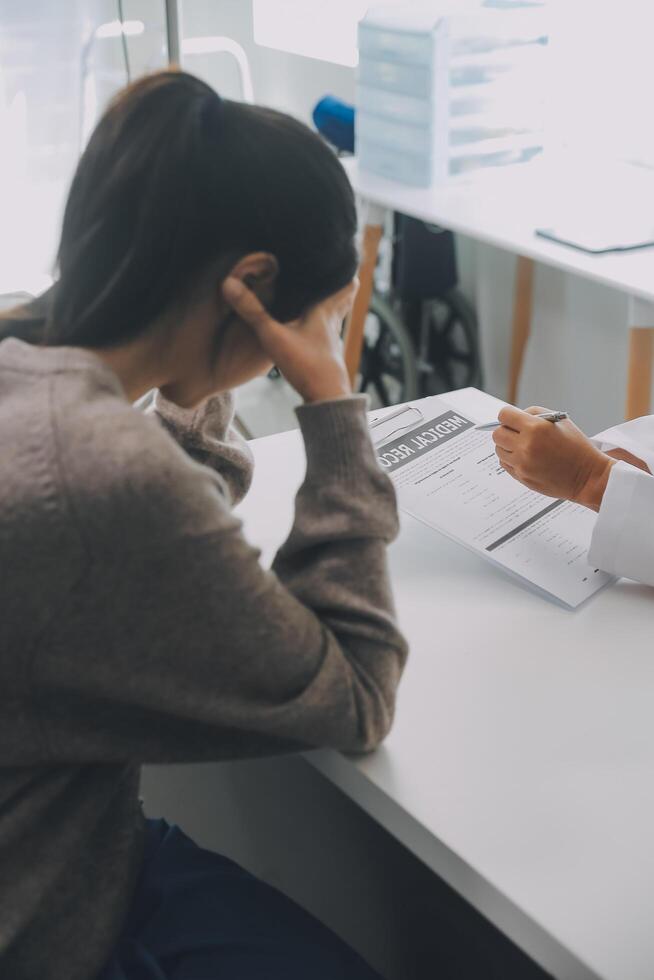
(447, 475)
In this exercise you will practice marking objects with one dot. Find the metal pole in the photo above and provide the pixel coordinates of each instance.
(173, 20)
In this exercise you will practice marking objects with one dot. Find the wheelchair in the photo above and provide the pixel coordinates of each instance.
(421, 333)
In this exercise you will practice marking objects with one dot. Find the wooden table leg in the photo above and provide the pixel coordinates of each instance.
(522, 308)
(639, 380)
(353, 343)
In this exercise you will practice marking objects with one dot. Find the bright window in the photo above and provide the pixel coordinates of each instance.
(59, 64)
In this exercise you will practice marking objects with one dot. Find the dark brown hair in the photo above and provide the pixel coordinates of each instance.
(175, 177)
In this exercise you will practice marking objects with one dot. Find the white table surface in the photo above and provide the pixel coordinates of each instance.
(504, 206)
(521, 764)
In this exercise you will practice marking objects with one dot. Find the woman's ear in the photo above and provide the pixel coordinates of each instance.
(259, 271)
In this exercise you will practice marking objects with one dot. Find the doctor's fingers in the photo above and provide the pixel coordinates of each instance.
(505, 459)
(509, 469)
(518, 474)
(506, 439)
(516, 419)
(513, 418)
(537, 410)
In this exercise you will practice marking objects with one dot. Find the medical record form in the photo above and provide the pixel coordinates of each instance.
(448, 476)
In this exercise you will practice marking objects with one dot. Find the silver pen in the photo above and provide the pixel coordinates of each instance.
(548, 416)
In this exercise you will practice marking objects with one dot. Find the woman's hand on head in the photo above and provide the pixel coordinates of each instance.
(308, 351)
(554, 458)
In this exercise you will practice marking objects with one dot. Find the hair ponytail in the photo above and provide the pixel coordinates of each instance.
(174, 177)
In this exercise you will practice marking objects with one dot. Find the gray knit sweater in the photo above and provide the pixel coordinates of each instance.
(137, 625)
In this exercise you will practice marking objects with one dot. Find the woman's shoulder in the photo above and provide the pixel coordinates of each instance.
(130, 483)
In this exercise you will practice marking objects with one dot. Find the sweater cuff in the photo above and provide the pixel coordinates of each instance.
(337, 439)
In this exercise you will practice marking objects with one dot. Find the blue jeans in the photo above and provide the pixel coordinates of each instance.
(198, 916)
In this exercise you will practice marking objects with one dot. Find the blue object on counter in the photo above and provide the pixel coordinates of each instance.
(334, 120)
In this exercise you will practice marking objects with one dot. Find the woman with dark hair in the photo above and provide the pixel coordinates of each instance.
(202, 241)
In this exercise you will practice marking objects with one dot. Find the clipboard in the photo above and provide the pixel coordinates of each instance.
(594, 241)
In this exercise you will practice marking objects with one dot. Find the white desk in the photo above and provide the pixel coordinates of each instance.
(503, 207)
(521, 765)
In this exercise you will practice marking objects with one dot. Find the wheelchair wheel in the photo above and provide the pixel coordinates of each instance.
(450, 355)
(388, 369)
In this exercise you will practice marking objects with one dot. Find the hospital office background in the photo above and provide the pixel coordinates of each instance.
(590, 109)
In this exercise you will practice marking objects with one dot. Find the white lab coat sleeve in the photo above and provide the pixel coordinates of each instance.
(623, 538)
(637, 437)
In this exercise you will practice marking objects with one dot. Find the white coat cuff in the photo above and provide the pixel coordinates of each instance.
(635, 437)
(612, 518)
(623, 537)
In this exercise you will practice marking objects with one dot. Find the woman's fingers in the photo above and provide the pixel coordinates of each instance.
(249, 308)
(343, 300)
(338, 306)
(308, 352)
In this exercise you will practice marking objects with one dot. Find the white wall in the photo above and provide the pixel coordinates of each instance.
(576, 358)
(284, 81)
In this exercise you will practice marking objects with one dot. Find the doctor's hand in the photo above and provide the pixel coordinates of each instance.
(626, 457)
(308, 351)
(554, 458)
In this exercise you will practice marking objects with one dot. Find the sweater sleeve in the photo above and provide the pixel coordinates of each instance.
(177, 645)
(208, 435)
